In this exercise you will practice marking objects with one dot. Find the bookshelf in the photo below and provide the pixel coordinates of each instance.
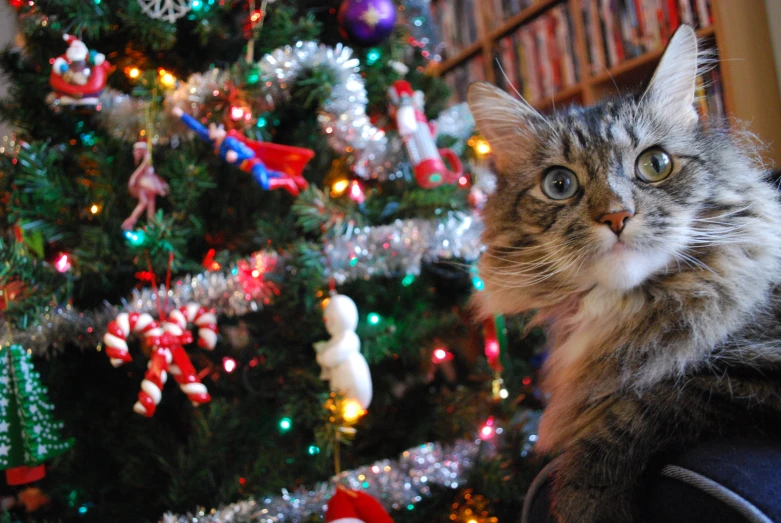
(744, 84)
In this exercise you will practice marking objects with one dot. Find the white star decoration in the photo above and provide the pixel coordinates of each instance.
(37, 429)
(4, 380)
(4, 449)
(42, 450)
(33, 408)
(372, 17)
(4, 402)
(4, 426)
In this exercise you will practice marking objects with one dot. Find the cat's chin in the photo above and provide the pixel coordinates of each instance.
(623, 268)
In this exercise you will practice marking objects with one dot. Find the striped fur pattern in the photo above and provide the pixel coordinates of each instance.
(664, 335)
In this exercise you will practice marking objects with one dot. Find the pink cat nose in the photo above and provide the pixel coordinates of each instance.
(616, 220)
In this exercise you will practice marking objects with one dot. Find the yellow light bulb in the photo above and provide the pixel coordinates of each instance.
(168, 80)
(133, 72)
(352, 410)
(482, 147)
(472, 521)
(339, 187)
(95, 209)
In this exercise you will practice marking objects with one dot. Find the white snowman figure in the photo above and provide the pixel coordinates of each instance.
(340, 357)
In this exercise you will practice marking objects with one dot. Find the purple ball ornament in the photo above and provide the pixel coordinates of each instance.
(367, 22)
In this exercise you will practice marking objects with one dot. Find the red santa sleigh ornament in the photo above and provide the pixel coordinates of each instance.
(167, 340)
(429, 168)
(78, 76)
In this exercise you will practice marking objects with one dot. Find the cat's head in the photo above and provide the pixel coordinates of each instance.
(629, 191)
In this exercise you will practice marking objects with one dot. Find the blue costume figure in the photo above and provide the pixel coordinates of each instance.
(232, 148)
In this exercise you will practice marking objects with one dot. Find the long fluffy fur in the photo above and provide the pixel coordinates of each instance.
(657, 345)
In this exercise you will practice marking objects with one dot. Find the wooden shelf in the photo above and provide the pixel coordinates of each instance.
(522, 17)
(514, 22)
(462, 56)
(741, 34)
(565, 95)
(639, 61)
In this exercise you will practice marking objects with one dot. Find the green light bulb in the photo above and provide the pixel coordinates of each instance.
(285, 424)
(374, 318)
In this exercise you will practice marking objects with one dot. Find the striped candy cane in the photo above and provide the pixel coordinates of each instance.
(168, 354)
(182, 369)
(119, 330)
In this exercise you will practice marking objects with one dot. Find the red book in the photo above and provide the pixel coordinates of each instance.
(672, 16)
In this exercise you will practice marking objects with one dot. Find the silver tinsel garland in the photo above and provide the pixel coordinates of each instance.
(396, 484)
(342, 117)
(60, 325)
(400, 248)
(384, 250)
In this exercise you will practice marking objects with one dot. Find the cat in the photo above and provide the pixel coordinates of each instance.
(649, 246)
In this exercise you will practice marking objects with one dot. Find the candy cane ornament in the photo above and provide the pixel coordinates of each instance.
(167, 341)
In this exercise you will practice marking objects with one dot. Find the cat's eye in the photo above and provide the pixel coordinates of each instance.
(653, 165)
(559, 183)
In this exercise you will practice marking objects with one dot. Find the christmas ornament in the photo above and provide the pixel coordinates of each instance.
(353, 506)
(166, 341)
(495, 336)
(28, 434)
(406, 106)
(340, 357)
(168, 10)
(342, 116)
(78, 76)
(367, 22)
(254, 275)
(144, 185)
(273, 166)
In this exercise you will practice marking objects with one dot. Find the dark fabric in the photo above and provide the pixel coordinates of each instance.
(749, 468)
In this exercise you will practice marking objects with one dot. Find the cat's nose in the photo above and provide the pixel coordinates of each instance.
(616, 220)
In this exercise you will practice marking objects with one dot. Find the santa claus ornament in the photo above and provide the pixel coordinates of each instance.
(406, 107)
(352, 506)
(340, 358)
(78, 76)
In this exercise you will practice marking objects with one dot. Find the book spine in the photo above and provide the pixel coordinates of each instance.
(606, 21)
(703, 13)
(685, 10)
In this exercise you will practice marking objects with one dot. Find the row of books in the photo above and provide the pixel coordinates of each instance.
(709, 96)
(618, 30)
(457, 22)
(496, 12)
(539, 59)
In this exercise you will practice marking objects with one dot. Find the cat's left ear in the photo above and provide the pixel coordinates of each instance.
(506, 122)
(672, 86)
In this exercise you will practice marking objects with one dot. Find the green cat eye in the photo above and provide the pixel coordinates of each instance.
(653, 165)
(559, 183)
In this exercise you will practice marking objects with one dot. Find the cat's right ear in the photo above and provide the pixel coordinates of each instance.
(506, 122)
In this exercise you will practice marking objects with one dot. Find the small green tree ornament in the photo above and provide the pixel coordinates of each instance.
(29, 435)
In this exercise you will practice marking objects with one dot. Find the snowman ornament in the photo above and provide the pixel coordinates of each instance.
(340, 358)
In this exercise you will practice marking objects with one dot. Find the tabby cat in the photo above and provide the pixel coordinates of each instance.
(649, 245)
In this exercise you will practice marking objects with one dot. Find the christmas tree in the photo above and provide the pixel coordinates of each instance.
(28, 434)
(271, 162)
